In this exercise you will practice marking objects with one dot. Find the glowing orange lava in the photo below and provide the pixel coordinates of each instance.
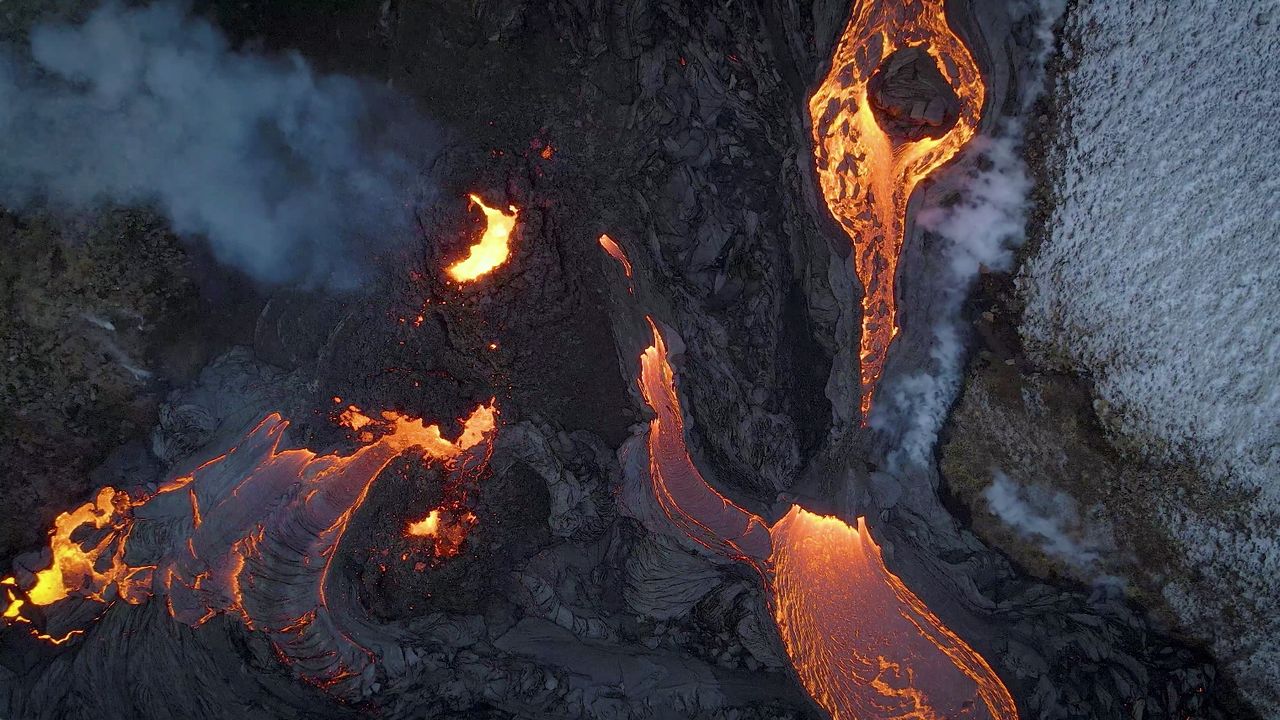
(494, 246)
(616, 252)
(445, 527)
(866, 176)
(251, 533)
(706, 516)
(863, 645)
(426, 527)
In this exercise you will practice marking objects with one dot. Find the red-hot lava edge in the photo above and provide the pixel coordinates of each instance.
(863, 645)
(866, 176)
(250, 533)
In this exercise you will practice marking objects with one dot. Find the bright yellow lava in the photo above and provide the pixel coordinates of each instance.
(494, 247)
(866, 176)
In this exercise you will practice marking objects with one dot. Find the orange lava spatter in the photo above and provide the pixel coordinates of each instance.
(246, 513)
(863, 645)
(866, 176)
(493, 248)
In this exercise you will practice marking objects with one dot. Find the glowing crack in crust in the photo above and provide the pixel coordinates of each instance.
(864, 646)
(866, 176)
(493, 248)
(251, 533)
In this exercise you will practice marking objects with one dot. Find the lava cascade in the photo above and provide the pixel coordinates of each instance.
(251, 533)
(862, 643)
(494, 246)
(866, 175)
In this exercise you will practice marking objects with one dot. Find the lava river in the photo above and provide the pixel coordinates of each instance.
(862, 643)
(251, 533)
(866, 174)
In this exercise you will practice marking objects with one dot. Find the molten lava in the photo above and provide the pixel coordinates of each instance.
(494, 246)
(445, 527)
(251, 533)
(866, 176)
(707, 517)
(616, 252)
(863, 645)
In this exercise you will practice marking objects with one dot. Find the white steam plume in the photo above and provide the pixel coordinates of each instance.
(285, 172)
(979, 231)
(1052, 520)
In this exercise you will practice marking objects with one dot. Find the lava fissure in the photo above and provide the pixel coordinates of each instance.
(866, 173)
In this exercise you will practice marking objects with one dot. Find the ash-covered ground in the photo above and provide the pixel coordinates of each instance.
(134, 351)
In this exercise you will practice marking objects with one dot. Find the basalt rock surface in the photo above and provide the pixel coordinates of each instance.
(910, 97)
(679, 128)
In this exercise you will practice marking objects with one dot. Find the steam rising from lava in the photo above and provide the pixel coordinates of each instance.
(251, 533)
(287, 174)
(866, 175)
(862, 643)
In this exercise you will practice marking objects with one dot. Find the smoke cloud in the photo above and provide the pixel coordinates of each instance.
(1050, 519)
(288, 174)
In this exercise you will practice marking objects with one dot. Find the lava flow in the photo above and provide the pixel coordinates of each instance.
(616, 252)
(251, 533)
(707, 517)
(494, 246)
(867, 176)
(863, 645)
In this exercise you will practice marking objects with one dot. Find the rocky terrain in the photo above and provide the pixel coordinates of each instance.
(679, 128)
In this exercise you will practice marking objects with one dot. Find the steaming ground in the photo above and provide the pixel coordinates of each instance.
(272, 163)
(978, 229)
(1161, 280)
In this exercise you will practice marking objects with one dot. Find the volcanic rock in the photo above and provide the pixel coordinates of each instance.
(910, 98)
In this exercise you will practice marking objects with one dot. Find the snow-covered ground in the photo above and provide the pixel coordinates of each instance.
(1161, 280)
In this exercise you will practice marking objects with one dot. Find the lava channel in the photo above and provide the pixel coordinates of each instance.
(251, 533)
(493, 248)
(863, 645)
(866, 174)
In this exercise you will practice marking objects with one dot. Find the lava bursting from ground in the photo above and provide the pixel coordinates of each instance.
(251, 533)
(616, 252)
(866, 175)
(494, 246)
(863, 645)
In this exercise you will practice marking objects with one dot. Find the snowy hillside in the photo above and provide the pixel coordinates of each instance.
(1161, 280)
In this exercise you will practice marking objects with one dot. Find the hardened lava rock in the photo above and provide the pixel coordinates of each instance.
(910, 97)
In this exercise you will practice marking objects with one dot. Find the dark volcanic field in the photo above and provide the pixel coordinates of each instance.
(679, 128)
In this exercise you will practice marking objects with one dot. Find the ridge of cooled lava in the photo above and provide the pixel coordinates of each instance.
(250, 533)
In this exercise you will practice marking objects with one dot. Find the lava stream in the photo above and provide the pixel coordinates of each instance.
(494, 246)
(866, 175)
(251, 533)
(706, 516)
(862, 643)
